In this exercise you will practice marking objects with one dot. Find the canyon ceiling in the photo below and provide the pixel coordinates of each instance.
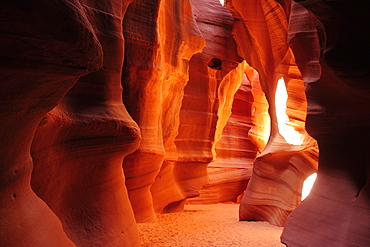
(115, 111)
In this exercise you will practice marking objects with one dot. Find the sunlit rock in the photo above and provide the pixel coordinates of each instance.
(160, 38)
(115, 111)
(235, 153)
(307, 185)
(290, 135)
(279, 171)
(331, 52)
(214, 77)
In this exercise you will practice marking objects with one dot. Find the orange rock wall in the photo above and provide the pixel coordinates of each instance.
(40, 61)
(142, 94)
(235, 153)
(114, 111)
(180, 36)
(335, 69)
(279, 171)
(79, 146)
(214, 76)
(158, 48)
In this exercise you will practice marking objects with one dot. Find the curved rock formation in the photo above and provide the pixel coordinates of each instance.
(279, 171)
(160, 39)
(143, 96)
(73, 171)
(40, 61)
(79, 146)
(235, 153)
(333, 56)
(215, 75)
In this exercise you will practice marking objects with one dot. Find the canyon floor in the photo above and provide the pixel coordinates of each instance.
(208, 226)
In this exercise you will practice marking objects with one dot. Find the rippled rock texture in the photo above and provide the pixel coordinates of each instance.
(335, 69)
(290, 154)
(40, 61)
(79, 145)
(114, 111)
(214, 76)
(158, 49)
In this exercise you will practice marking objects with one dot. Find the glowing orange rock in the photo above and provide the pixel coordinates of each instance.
(142, 84)
(235, 153)
(279, 171)
(214, 77)
(179, 34)
(160, 39)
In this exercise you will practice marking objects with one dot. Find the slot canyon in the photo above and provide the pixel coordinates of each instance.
(115, 113)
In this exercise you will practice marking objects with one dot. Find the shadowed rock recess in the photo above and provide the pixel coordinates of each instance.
(113, 112)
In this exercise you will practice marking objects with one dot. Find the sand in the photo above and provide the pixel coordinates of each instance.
(207, 226)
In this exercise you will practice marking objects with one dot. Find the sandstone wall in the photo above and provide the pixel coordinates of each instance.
(231, 170)
(160, 38)
(40, 61)
(79, 146)
(333, 56)
(214, 77)
(114, 111)
(279, 171)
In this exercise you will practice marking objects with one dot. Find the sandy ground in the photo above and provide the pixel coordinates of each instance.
(206, 226)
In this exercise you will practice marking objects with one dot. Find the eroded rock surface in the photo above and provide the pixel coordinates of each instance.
(80, 144)
(279, 171)
(214, 77)
(336, 72)
(78, 169)
(40, 61)
(160, 39)
(232, 168)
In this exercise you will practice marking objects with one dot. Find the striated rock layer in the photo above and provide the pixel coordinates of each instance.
(180, 39)
(235, 153)
(78, 169)
(214, 77)
(333, 55)
(141, 81)
(79, 146)
(160, 39)
(279, 171)
(40, 61)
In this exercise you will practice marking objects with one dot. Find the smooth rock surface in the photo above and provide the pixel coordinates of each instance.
(160, 38)
(40, 61)
(79, 146)
(337, 212)
(115, 111)
(279, 171)
(235, 153)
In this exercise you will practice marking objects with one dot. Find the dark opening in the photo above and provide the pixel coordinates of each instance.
(215, 63)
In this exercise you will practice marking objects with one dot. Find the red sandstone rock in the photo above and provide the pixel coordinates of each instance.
(335, 68)
(180, 36)
(71, 119)
(235, 153)
(42, 55)
(142, 95)
(279, 171)
(79, 146)
(214, 79)
(160, 39)
(260, 118)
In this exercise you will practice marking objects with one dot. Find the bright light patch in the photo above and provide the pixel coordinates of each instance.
(307, 185)
(222, 2)
(290, 135)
